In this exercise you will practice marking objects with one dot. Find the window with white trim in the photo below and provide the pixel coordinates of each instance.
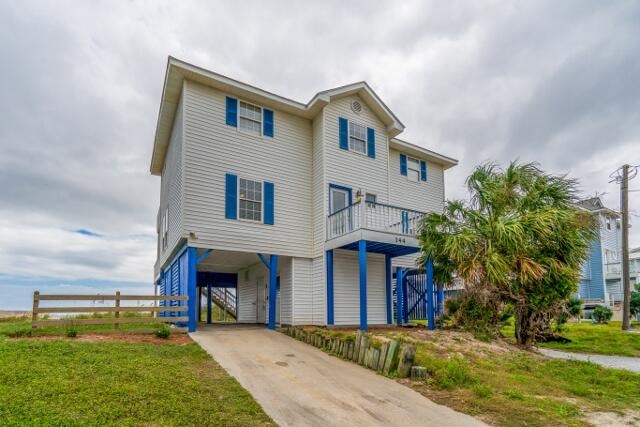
(250, 118)
(413, 169)
(250, 200)
(357, 138)
(165, 229)
(370, 199)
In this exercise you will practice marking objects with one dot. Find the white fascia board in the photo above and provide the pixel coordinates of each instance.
(416, 150)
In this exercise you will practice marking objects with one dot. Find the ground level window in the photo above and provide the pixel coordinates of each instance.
(250, 198)
(413, 169)
(357, 138)
(250, 118)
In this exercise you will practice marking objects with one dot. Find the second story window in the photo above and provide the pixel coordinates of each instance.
(413, 169)
(608, 222)
(250, 118)
(250, 200)
(357, 138)
(164, 230)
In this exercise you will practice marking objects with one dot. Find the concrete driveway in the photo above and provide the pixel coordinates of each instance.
(299, 385)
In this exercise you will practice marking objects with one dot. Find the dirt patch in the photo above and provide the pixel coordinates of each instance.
(175, 339)
(606, 419)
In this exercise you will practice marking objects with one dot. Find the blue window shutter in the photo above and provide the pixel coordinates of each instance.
(232, 112)
(371, 143)
(231, 197)
(268, 122)
(423, 170)
(403, 165)
(268, 203)
(344, 133)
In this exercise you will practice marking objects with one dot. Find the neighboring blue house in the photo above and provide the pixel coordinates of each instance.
(601, 281)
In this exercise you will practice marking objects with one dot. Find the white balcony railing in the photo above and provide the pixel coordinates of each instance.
(374, 216)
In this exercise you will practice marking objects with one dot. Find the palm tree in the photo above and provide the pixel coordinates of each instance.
(520, 237)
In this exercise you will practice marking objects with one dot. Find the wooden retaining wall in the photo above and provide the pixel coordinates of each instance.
(390, 357)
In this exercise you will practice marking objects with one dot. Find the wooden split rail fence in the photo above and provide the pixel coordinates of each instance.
(116, 310)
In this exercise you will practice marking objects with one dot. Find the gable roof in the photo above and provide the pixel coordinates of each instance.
(594, 204)
(178, 70)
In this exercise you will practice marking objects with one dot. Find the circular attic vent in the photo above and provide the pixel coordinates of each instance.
(356, 107)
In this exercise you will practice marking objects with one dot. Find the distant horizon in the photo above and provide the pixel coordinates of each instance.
(16, 294)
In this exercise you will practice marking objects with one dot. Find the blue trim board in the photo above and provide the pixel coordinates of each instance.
(273, 286)
(383, 248)
(264, 261)
(217, 280)
(387, 274)
(399, 295)
(203, 256)
(191, 287)
(431, 318)
(330, 316)
(209, 304)
(362, 261)
(340, 187)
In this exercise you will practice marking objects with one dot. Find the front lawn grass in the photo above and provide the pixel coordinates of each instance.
(70, 382)
(588, 337)
(507, 386)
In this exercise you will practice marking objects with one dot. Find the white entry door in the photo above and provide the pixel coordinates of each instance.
(339, 199)
(262, 299)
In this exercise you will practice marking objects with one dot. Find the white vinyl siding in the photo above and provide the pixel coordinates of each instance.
(302, 291)
(346, 288)
(171, 191)
(319, 291)
(421, 196)
(356, 172)
(212, 150)
(286, 290)
(320, 204)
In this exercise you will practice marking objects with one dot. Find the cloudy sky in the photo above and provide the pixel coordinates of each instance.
(553, 82)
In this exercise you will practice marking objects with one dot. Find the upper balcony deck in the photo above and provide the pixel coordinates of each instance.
(386, 228)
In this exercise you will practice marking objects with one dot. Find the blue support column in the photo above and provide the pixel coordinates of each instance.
(209, 303)
(362, 258)
(405, 298)
(399, 296)
(191, 287)
(431, 318)
(440, 298)
(387, 271)
(273, 278)
(330, 318)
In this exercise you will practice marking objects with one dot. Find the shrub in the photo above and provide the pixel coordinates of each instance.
(163, 332)
(72, 332)
(602, 314)
(478, 312)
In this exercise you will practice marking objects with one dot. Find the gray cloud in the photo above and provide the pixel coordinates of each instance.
(555, 82)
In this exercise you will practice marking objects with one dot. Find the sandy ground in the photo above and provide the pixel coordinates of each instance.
(620, 362)
(9, 313)
(299, 385)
